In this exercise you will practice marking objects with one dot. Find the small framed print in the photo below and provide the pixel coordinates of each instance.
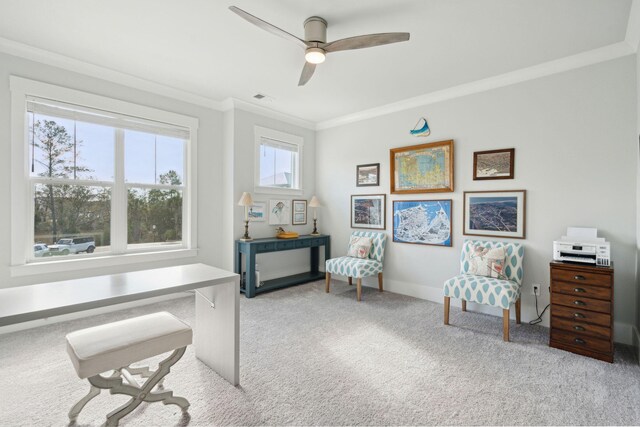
(368, 175)
(493, 164)
(279, 211)
(299, 212)
(256, 212)
(495, 213)
(368, 211)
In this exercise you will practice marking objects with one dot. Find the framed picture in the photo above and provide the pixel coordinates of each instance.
(279, 212)
(424, 168)
(495, 213)
(299, 212)
(423, 222)
(368, 175)
(368, 211)
(257, 212)
(493, 164)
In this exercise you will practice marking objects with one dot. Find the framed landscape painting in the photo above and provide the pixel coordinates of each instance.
(368, 211)
(424, 222)
(368, 175)
(493, 164)
(495, 213)
(424, 168)
(256, 212)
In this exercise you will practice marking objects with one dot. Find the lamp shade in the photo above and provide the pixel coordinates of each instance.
(245, 200)
(314, 203)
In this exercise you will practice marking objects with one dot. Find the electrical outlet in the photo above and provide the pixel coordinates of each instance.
(535, 289)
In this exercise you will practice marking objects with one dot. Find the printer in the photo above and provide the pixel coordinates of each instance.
(584, 246)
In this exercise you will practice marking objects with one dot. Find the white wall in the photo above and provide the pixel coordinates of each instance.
(209, 163)
(274, 264)
(575, 140)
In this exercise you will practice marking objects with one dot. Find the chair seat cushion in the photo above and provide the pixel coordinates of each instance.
(483, 290)
(119, 344)
(353, 267)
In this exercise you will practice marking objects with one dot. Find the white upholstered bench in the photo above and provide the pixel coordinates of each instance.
(115, 346)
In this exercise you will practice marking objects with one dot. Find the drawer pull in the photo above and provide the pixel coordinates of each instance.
(579, 290)
(578, 315)
(579, 341)
(580, 303)
(579, 277)
(579, 328)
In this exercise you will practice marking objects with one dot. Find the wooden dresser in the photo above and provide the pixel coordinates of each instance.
(582, 309)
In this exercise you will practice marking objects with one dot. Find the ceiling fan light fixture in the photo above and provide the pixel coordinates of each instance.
(314, 55)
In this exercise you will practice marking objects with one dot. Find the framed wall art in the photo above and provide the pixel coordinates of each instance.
(279, 212)
(423, 222)
(424, 168)
(368, 175)
(493, 164)
(299, 212)
(257, 212)
(368, 211)
(495, 213)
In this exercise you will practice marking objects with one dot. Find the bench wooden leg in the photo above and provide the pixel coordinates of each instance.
(328, 282)
(359, 288)
(447, 304)
(350, 281)
(464, 305)
(380, 281)
(518, 309)
(505, 324)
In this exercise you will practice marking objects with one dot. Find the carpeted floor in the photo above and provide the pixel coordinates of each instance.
(308, 358)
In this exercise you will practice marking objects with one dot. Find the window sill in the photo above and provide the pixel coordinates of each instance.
(98, 262)
(276, 190)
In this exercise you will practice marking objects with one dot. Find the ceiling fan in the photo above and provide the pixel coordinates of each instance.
(315, 42)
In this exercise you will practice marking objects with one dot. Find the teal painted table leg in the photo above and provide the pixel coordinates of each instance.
(250, 278)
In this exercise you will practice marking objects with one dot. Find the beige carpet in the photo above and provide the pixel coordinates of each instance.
(308, 358)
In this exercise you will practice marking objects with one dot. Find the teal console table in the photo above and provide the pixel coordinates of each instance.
(258, 246)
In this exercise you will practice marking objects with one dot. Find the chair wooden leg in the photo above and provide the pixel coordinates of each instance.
(505, 324)
(464, 305)
(359, 288)
(518, 307)
(328, 282)
(350, 281)
(447, 304)
(380, 281)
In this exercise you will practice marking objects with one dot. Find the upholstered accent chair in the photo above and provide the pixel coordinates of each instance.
(359, 267)
(502, 291)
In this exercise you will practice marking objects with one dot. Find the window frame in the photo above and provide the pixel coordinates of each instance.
(22, 261)
(298, 141)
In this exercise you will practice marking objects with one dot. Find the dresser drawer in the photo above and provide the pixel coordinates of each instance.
(580, 277)
(303, 243)
(581, 303)
(581, 341)
(286, 245)
(572, 313)
(580, 290)
(265, 247)
(581, 328)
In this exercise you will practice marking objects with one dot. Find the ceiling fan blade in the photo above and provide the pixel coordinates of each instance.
(369, 40)
(268, 27)
(307, 72)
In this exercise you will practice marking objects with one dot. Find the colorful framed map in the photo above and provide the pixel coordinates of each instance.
(425, 168)
(423, 222)
(495, 213)
(368, 211)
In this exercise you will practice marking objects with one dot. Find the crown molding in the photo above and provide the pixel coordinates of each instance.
(580, 60)
(237, 104)
(633, 26)
(70, 64)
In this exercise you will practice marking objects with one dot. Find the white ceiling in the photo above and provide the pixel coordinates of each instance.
(201, 47)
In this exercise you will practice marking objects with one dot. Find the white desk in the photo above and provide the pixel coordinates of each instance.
(217, 330)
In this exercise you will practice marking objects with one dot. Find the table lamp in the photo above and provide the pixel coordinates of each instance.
(246, 201)
(314, 203)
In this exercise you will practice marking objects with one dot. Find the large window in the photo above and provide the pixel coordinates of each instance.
(278, 161)
(99, 177)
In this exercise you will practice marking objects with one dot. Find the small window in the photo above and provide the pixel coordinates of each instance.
(278, 162)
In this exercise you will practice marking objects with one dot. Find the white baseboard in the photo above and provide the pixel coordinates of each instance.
(57, 319)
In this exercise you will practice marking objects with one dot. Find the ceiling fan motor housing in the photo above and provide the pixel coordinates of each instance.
(315, 29)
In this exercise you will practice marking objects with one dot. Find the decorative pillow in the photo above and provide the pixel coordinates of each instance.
(486, 261)
(359, 247)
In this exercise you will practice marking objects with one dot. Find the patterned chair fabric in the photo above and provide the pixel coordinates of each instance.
(357, 267)
(488, 290)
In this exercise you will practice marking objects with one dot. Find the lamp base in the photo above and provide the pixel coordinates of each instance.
(246, 237)
(315, 229)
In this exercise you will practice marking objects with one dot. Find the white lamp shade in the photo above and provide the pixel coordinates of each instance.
(314, 203)
(245, 200)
